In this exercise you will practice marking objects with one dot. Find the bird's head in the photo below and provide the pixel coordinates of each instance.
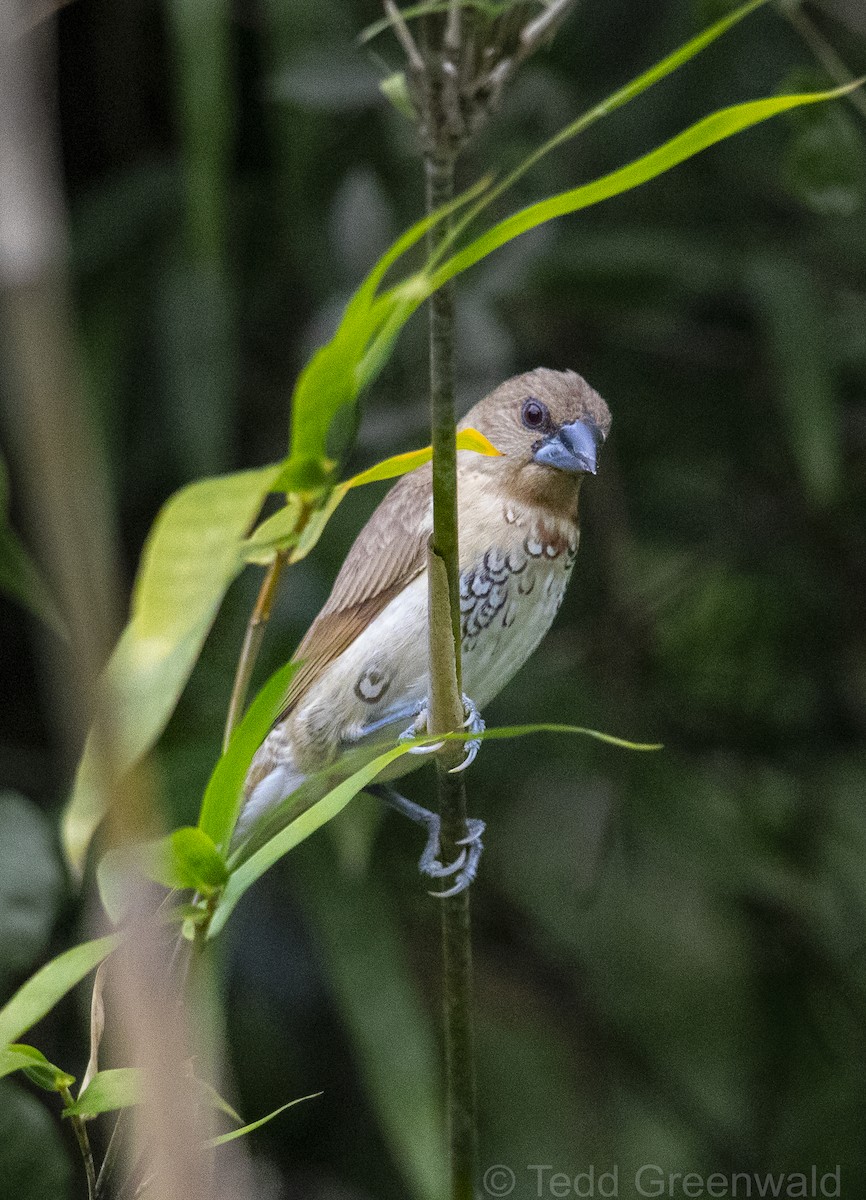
(549, 426)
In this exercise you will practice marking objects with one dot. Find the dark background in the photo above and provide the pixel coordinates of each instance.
(670, 948)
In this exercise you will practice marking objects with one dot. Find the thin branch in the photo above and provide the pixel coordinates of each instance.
(404, 37)
(446, 710)
(824, 52)
(531, 37)
(544, 26)
(80, 1129)
(255, 633)
(451, 37)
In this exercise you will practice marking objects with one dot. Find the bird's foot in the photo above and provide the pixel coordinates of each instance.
(473, 722)
(417, 729)
(464, 866)
(468, 868)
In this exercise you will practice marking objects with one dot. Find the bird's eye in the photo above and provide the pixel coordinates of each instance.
(534, 413)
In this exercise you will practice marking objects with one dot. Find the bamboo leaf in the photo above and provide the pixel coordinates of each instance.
(244, 871)
(700, 136)
(617, 99)
(280, 531)
(35, 1066)
(334, 377)
(236, 1133)
(184, 859)
(191, 556)
(402, 464)
(222, 798)
(246, 874)
(504, 732)
(120, 1087)
(195, 861)
(215, 1100)
(50, 984)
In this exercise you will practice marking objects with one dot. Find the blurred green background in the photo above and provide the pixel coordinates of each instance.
(669, 949)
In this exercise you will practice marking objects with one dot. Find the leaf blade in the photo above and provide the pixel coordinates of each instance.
(192, 555)
(222, 1138)
(249, 871)
(34, 1064)
(700, 136)
(222, 798)
(50, 984)
(117, 1087)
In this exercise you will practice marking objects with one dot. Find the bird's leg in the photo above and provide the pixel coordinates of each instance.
(465, 864)
(474, 722)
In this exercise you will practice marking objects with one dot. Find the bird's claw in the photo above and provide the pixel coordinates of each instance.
(437, 870)
(472, 849)
(429, 862)
(464, 866)
(475, 724)
(417, 729)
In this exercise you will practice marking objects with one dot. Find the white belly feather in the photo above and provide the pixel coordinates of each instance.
(510, 594)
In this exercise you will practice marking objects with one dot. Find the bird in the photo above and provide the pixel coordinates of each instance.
(362, 667)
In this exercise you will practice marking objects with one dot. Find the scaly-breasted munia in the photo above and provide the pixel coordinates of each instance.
(363, 671)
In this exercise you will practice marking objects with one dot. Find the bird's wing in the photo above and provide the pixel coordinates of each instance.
(389, 552)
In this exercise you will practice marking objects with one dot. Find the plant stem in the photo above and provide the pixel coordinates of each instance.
(252, 644)
(80, 1129)
(446, 709)
(824, 52)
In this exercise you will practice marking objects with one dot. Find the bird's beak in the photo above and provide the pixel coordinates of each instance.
(573, 448)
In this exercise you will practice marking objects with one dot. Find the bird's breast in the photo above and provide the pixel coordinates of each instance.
(510, 595)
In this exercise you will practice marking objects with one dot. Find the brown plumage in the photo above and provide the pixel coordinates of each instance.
(364, 658)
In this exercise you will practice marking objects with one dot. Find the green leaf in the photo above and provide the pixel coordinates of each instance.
(280, 531)
(402, 464)
(504, 732)
(242, 877)
(186, 858)
(396, 91)
(50, 984)
(703, 134)
(244, 871)
(617, 99)
(191, 556)
(196, 861)
(338, 371)
(223, 795)
(20, 578)
(236, 1133)
(108, 1091)
(214, 1100)
(35, 1066)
